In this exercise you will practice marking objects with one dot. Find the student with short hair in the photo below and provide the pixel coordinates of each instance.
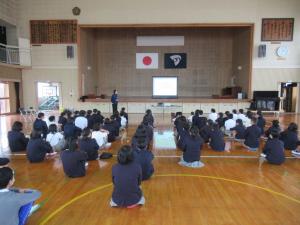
(4, 162)
(80, 121)
(16, 204)
(239, 130)
(192, 146)
(51, 120)
(216, 137)
(101, 136)
(241, 115)
(144, 158)
(62, 119)
(290, 137)
(40, 124)
(149, 130)
(88, 144)
(206, 130)
(274, 149)
(70, 130)
(124, 113)
(252, 135)
(182, 128)
(16, 139)
(190, 118)
(213, 115)
(234, 114)
(127, 178)
(275, 126)
(230, 123)
(220, 120)
(199, 120)
(55, 139)
(111, 129)
(37, 148)
(149, 117)
(261, 122)
(74, 160)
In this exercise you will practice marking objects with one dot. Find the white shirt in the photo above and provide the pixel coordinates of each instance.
(235, 116)
(242, 117)
(247, 122)
(123, 121)
(81, 122)
(54, 139)
(230, 123)
(213, 116)
(100, 137)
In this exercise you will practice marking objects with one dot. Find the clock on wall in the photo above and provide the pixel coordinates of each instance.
(76, 11)
(282, 51)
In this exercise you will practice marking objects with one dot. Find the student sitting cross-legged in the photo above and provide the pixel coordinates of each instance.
(192, 146)
(144, 157)
(274, 149)
(216, 137)
(88, 144)
(16, 138)
(74, 160)
(55, 139)
(252, 135)
(101, 136)
(127, 178)
(290, 138)
(16, 204)
(239, 130)
(40, 124)
(37, 148)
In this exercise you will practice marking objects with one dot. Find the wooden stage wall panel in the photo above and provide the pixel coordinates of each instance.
(209, 61)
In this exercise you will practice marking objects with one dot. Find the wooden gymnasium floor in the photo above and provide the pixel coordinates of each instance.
(232, 188)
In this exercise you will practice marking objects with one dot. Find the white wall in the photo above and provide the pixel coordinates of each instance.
(266, 73)
(8, 11)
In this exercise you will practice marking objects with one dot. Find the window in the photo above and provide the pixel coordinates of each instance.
(4, 98)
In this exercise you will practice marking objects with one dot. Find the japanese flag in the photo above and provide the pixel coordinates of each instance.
(147, 60)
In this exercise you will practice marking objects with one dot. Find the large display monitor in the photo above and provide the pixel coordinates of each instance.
(164, 87)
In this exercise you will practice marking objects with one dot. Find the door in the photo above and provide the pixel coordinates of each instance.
(48, 95)
(289, 93)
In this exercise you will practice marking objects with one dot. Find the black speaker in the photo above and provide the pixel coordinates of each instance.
(70, 52)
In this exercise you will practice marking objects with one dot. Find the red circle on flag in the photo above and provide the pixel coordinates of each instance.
(147, 60)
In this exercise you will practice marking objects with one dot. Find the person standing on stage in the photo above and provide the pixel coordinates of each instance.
(114, 101)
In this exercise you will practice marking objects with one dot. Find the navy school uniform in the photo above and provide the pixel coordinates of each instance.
(62, 120)
(220, 121)
(149, 132)
(110, 128)
(199, 121)
(240, 131)
(274, 151)
(115, 124)
(91, 122)
(127, 180)
(205, 133)
(269, 131)
(144, 159)
(252, 135)
(290, 140)
(261, 123)
(74, 163)
(71, 131)
(37, 150)
(150, 119)
(217, 140)
(192, 148)
(90, 147)
(42, 126)
(17, 141)
(182, 134)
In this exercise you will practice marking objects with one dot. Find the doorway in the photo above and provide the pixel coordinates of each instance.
(290, 96)
(4, 98)
(48, 96)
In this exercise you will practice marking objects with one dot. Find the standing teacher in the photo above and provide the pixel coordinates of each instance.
(114, 101)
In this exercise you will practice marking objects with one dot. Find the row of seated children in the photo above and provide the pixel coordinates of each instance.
(16, 204)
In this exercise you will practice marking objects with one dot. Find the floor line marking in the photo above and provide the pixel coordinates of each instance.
(61, 208)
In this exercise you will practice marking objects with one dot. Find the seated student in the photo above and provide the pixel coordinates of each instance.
(213, 115)
(144, 158)
(74, 160)
(16, 204)
(290, 137)
(111, 129)
(37, 148)
(40, 124)
(16, 138)
(51, 120)
(239, 130)
(247, 120)
(274, 149)
(149, 130)
(261, 122)
(88, 144)
(116, 123)
(234, 114)
(241, 115)
(252, 135)
(205, 131)
(149, 117)
(183, 128)
(190, 118)
(192, 146)
(88, 114)
(220, 120)
(199, 120)
(127, 178)
(123, 120)
(216, 137)
(70, 130)
(76, 114)
(275, 126)
(124, 113)
(101, 136)
(4, 162)
(62, 120)
(139, 133)
(230, 123)
(80, 121)
(55, 139)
